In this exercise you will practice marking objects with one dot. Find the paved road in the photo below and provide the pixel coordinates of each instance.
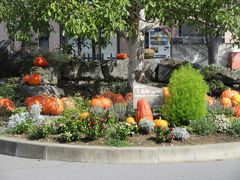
(13, 168)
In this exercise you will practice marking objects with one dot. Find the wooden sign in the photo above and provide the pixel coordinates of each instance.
(154, 95)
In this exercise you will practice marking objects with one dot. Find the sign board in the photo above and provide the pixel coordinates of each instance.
(154, 95)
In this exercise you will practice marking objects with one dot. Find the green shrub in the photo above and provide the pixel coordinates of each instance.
(234, 128)
(24, 127)
(204, 126)
(187, 99)
(218, 109)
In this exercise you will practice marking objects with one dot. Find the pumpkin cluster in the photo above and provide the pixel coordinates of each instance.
(6, 104)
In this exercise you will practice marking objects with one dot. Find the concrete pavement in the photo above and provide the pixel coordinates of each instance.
(13, 168)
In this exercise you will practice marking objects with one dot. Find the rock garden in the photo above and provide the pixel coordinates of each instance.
(89, 102)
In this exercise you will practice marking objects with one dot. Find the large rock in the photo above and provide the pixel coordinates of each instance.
(5, 47)
(115, 70)
(69, 70)
(50, 74)
(165, 69)
(149, 71)
(44, 89)
(90, 70)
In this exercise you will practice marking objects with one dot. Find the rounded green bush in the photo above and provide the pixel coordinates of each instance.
(187, 99)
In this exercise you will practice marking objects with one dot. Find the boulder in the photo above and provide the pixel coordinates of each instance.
(69, 70)
(50, 74)
(149, 70)
(115, 70)
(5, 48)
(90, 70)
(165, 69)
(43, 89)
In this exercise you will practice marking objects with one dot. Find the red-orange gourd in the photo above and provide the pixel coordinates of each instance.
(7, 104)
(118, 98)
(69, 103)
(228, 93)
(108, 94)
(143, 110)
(40, 61)
(129, 97)
(122, 56)
(52, 106)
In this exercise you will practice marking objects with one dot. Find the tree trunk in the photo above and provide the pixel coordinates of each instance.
(136, 49)
(213, 43)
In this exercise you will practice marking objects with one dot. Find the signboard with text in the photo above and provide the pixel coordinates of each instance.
(153, 94)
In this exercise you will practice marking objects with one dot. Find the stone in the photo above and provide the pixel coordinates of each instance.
(115, 70)
(50, 74)
(4, 50)
(165, 69)
(90, 70)
(228, 77)
(43, 89)
(70, 70)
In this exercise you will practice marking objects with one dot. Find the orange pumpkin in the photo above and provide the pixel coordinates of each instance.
(34, 99)
(236, 100)
(226, 102)
(143, 110)
(106, 103)
(40, 61)
(34, 79)
(96, 102)
(52, 106)
(228, 93)
(166, 95)
(122, 56)
(118, 98)
(129, 97)
(69, 103)
(7, 104)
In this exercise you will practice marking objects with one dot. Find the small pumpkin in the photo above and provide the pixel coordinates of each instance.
(161, 123)
(34, 79)
(228, 93)
(122, 56)
(236, 100)
(84, 115)
(34, 99)
(69, 103)
(226, 102)
(131, 120)
(52, 106)
(7, 104)
(143, 110)
(40, 61)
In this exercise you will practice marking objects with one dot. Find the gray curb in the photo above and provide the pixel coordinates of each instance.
(99, 154)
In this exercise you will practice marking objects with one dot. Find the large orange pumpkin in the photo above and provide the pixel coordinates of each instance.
(228, 93)
(52, 106)
(122, 56)
(106, 103)
(143, 110)
(34, 79)
(69, 103)
(40, 61)
(7, 104)
(226, 102)
(34, 99)
(129, 97)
